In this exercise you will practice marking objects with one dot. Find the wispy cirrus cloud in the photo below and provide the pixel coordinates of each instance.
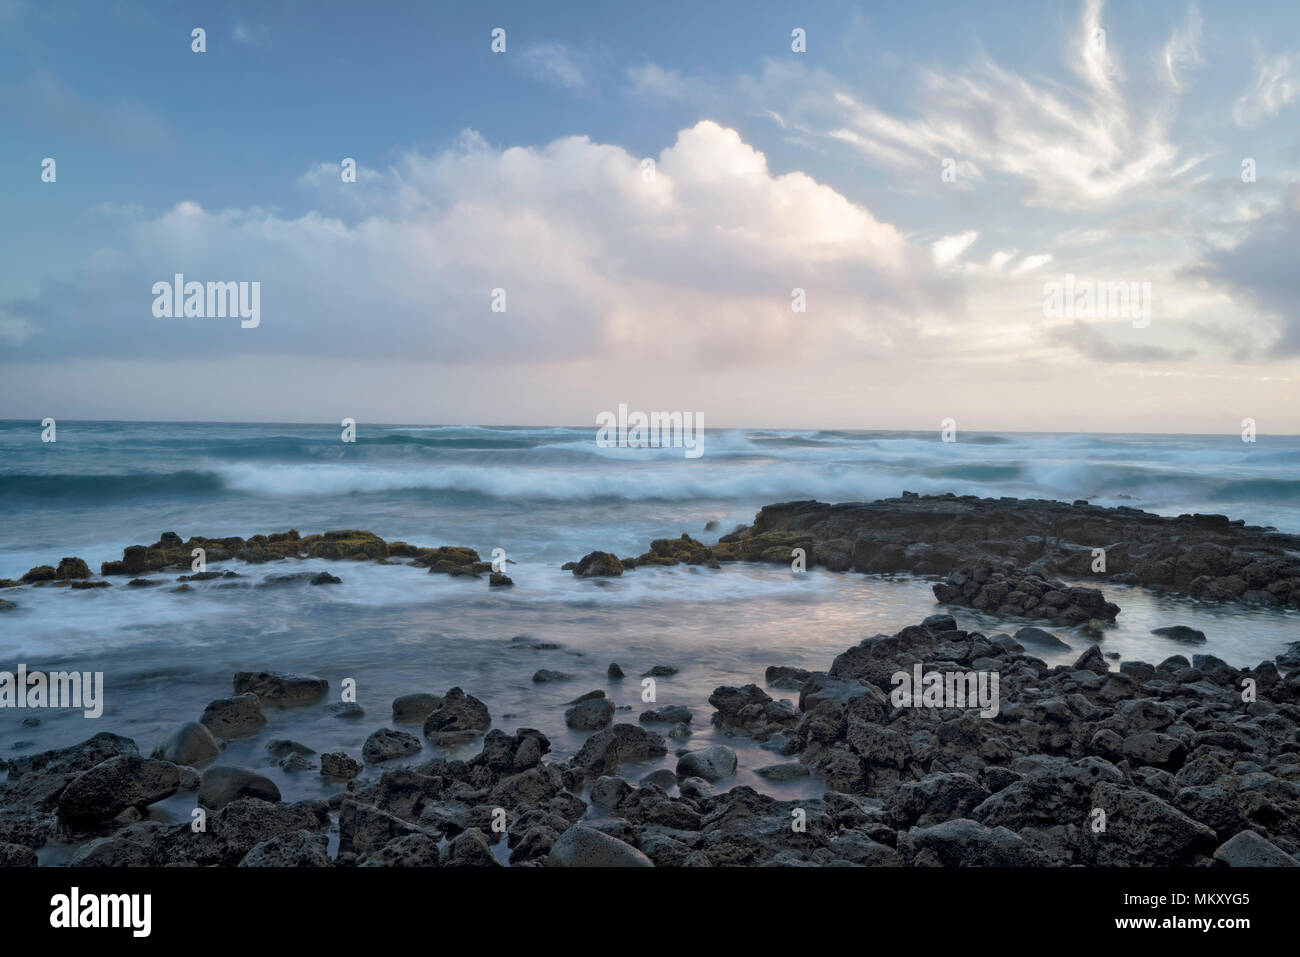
(560, 65)
(1071, 147)
(1276, 85)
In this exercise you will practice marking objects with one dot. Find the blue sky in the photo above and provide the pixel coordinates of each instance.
(1114, 159)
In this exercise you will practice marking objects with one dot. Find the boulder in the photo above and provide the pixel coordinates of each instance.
(293, 849)
(598, 565)
(234, 717)
(712, 763)
(387, 744)
(225, 783)
(409, 708)
(340, 765)
(590, 715)
(280, 689)
(190, 743)
(584, 846)
(106, 790)
(1248, 849)
(458, 712)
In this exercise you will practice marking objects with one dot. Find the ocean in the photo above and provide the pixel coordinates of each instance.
(546, 496)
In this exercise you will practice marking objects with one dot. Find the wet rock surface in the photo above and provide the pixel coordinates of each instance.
(1209, 557)
(1186, 762)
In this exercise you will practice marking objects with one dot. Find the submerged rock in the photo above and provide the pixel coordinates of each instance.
(1181, 633)
(543, 675)
(415, 707)
(1038, 638)
(191, 743)
(280, 689)
(234, 717)
(598, 565)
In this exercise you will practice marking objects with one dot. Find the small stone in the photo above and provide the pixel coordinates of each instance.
(543, 675)
(415, 707)
(387, 744)
(339, 764)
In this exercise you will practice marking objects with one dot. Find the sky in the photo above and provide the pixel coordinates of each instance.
(830, 215)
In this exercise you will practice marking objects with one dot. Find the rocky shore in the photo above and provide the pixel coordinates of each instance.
(1182, 763)
(999, 555)
(171, 554)
(1188, 762)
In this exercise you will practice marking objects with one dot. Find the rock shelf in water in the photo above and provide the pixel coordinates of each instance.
(1209, 557)
(170, 553)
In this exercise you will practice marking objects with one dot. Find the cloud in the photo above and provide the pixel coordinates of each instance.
(653, 81)
(45, 103)
(1261, 270)
(1073, 146)
(950, 248)
(252, 35)
(1030, 263)
(1182, 53)
(559, 65)
(698, 263)
(1277, 84)
(1089, 342)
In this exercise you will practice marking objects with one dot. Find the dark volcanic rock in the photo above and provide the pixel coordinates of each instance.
(292, 849)
(1009, 592)
(415, 707)
(234, 717)
(626, 743)
(387, 744)
(590, 715)
(340, 765)
(126, 781)
(226, 783)
(1037, 638)
(1204, 556)
(191, 743)
(459, 712)
(280, 689)
(583, 846)
(1181, 633)
(598, 565)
